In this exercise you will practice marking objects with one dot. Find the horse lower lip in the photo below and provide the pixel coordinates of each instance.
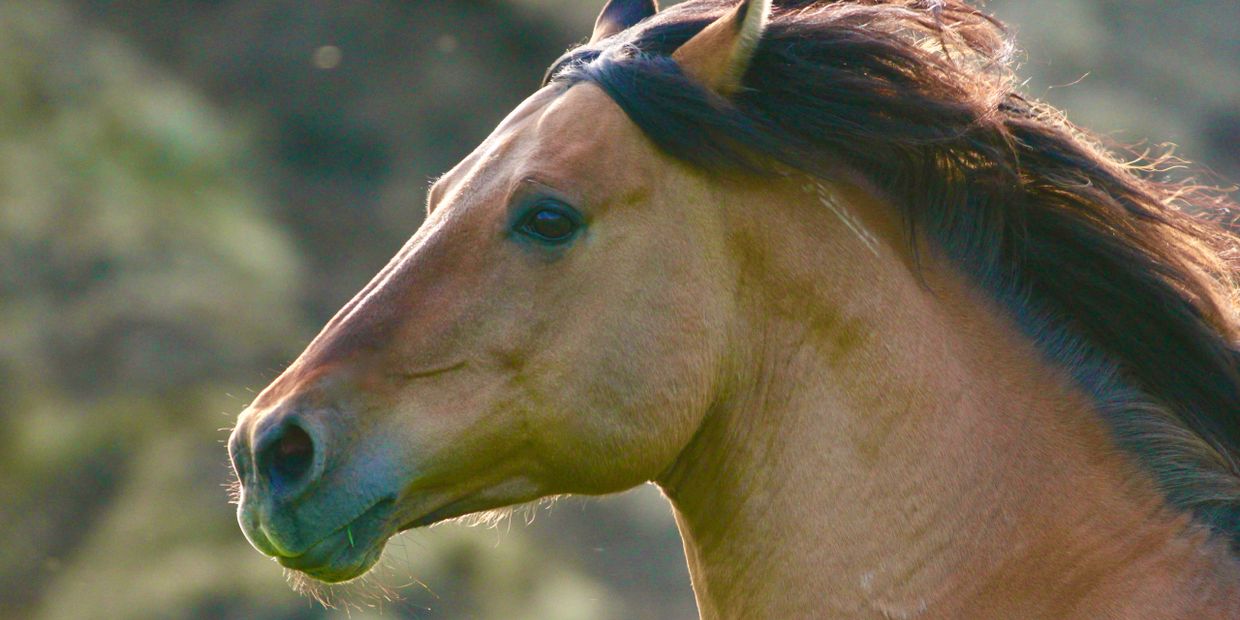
(319, 554)
(330, 569)
(331, 560)
(344, 553)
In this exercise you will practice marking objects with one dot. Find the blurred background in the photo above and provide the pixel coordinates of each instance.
(188, 190)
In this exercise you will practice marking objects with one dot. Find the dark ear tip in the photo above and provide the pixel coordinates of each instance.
(619, 15)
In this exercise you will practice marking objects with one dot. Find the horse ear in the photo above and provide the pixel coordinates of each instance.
(618, 15)
(719, 54)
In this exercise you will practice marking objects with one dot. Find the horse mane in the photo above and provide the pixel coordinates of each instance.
(1121, 275)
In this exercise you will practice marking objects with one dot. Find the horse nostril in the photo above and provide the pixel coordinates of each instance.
(290, 456)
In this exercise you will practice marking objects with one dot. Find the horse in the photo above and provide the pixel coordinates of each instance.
(894, 340)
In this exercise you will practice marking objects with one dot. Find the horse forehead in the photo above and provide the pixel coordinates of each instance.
(585, 129)
(557, 134)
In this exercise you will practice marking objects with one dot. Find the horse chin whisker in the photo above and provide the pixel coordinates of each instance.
(375, 590)
(322, 593)
(495, 517)
(490, 519)
(389, 567)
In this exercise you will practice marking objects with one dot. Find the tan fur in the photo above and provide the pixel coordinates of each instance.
(929, 467)
(837, 439)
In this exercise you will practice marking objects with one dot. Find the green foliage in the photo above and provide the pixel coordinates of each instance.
(140, 270)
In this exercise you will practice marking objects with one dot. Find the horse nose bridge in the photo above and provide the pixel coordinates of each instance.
(403, 300)
(369, 329)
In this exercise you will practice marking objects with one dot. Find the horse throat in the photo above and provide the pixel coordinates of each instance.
(889, 445)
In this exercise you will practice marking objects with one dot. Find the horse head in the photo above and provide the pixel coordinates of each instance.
(558, 324)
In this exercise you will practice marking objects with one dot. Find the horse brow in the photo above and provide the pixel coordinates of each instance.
(434, 189)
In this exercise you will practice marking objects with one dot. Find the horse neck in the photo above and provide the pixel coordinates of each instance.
(884, 446)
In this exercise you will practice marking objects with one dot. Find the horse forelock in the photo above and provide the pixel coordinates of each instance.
(1113, 271)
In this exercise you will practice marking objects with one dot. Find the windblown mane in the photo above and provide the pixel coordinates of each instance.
(1121, 276)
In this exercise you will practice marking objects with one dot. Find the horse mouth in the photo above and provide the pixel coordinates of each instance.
(349, 551)
(352, 549)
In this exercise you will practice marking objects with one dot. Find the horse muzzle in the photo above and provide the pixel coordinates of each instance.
(293, 508)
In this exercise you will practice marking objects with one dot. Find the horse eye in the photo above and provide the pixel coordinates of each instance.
(548, 225)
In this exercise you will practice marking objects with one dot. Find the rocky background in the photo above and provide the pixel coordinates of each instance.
(189, 189)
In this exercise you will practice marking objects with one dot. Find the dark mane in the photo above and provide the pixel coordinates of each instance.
(1116, 272)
